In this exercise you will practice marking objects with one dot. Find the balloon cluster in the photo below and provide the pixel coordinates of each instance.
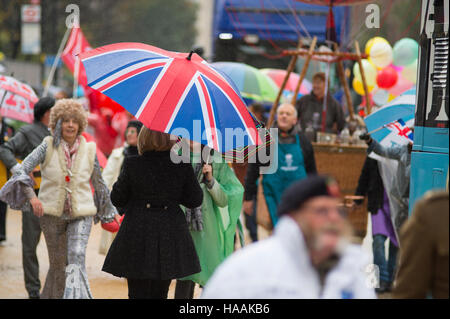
(389, 71)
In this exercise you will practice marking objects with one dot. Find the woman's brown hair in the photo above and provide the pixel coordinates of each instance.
(149, 140)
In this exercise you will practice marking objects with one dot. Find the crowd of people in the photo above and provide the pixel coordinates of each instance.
(164, 221)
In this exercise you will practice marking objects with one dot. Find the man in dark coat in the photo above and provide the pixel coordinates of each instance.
(22, 144)
(295, 162)
(6, 132)
(312, 103)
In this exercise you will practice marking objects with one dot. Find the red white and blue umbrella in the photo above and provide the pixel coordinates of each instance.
(171, 92)
(390, 124)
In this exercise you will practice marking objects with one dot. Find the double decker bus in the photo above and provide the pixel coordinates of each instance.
(429, 158)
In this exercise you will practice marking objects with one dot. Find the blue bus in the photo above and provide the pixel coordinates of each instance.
(429, 158)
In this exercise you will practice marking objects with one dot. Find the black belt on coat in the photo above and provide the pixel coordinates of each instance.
(152, 205)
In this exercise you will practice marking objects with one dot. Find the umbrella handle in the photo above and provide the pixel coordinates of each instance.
(380, 128)
(3, 98)
(376, 130)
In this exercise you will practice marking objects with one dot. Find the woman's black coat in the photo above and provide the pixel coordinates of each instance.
(153, 241)
(370, 184)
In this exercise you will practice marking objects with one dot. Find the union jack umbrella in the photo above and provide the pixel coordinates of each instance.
(242, 154)
(391, 123)
(401, 129)
(171, 92)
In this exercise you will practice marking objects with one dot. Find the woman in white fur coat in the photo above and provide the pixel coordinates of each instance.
(66, 204)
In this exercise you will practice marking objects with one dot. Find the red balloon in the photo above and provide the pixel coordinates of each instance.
(387, 77)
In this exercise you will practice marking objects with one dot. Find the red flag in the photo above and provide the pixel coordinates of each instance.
(331, 27)
(76, 44)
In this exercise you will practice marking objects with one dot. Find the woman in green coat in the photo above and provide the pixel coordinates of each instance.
(213, 225)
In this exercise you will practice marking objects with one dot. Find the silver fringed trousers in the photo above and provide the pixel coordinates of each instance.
(66, 241)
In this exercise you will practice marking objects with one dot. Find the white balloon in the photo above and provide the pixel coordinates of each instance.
(381, 54)
(380, 97)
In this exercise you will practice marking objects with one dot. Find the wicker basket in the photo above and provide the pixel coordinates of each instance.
(345, 163)
(357, 215)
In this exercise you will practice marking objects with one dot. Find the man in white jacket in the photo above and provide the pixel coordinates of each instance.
(308, 256)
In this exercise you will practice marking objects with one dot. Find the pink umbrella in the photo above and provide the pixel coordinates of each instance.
(278, 75)
(16, 99)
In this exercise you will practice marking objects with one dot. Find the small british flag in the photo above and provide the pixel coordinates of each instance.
(400, 127)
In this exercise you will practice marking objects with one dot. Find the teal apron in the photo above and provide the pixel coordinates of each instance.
(291, 168)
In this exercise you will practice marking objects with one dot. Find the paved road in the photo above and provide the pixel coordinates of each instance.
(103, 285)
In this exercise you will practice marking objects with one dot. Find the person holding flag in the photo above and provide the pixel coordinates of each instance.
(400, 182)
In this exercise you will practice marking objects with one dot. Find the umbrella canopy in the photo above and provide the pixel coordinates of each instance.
(16, 99)
(393, 119)
(278, 75)
(334, 2)
(250, 81)
(242, 154)
(171, 92)
(330, 30)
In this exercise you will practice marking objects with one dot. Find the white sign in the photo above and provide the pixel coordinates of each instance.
(31, 13)
(31, 38)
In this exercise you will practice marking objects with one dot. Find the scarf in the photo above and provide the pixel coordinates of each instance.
(69, 155)
(194, 216)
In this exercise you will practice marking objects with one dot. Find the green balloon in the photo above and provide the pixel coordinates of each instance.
(405, 51)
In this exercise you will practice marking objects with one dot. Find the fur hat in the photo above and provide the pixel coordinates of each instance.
(66, 109)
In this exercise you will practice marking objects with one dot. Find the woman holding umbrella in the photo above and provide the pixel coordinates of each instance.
(153, 245)
(65, 205)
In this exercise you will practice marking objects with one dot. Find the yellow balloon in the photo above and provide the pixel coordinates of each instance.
(359, 88)
(372, 41)
(2, 56)
(370, 72)
(371, 62)
(391, 97)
